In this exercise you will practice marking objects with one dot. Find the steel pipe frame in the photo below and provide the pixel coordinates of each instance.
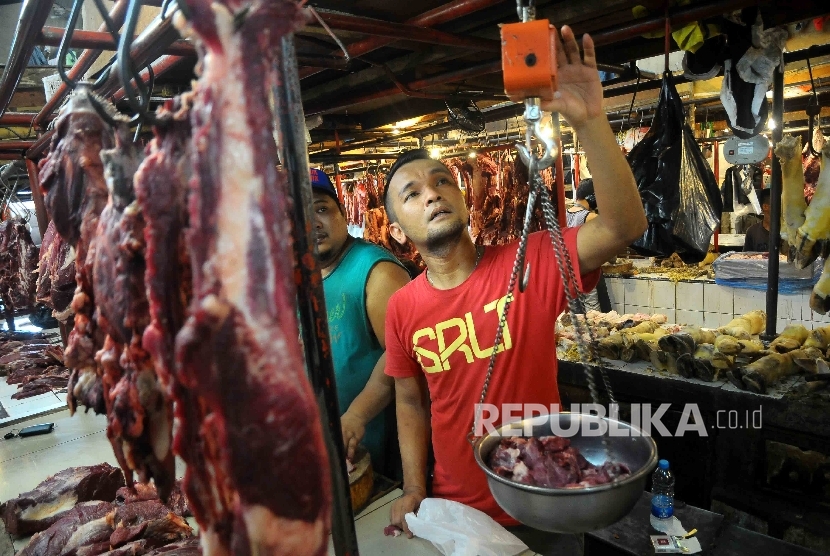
(433, 80)
(160, 66)
(676, 17)
(149, 45)
(33, 16)
(397, 31)
(18, 118)
(618, 34)
(152, 43)
(81, 66)
(311, 305)
(15, 145)
(442, 14)
(100, 40)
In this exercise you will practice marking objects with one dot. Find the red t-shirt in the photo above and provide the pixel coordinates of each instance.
(448, 335)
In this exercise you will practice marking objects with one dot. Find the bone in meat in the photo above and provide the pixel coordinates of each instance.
(816, 227)
(788, 151)
(249, 414)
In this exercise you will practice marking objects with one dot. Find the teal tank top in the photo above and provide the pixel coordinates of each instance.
(354, 348)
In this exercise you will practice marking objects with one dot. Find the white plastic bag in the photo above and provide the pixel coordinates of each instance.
(459, 530)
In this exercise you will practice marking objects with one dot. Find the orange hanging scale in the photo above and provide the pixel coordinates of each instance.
(528, 59)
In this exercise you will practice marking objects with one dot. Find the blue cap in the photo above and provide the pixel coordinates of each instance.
(663, 464)
(320, 182)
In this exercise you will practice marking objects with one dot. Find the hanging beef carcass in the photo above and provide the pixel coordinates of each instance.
(161, 190)
(56, 274)
(139, 416)
(249, 422)
(72, 178)
(18, 262)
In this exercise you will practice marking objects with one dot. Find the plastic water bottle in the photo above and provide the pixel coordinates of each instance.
(662, 491)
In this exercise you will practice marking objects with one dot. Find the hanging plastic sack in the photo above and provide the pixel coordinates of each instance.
(459, 530)
(701, 206)
(681, 199)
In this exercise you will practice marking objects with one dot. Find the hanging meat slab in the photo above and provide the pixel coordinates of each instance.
(815, 232)
(139, 416)
(18, 262)
(56, 274)
(248, 424)
(72, 178)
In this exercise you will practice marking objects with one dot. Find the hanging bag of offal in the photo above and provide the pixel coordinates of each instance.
(679, 192)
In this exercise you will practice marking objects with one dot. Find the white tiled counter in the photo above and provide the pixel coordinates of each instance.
(702, 302)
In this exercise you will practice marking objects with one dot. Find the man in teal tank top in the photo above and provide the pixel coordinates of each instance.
(358, 280)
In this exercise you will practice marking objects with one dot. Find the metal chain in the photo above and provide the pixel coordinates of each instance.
(576, 305)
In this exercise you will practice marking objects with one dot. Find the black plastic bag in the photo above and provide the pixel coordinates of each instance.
(680, 195)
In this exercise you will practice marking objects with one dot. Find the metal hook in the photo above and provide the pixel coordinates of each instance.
(813, 110)
(138, 98)
(67, 37)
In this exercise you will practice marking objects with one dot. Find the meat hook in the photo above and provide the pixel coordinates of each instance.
(138, 97)
(64, 45)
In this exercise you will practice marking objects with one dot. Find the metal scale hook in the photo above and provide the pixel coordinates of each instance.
(533, 120)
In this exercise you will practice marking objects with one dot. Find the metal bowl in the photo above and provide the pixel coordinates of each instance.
(573, 510)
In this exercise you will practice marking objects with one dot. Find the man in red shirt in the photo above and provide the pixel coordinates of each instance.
(441, 326)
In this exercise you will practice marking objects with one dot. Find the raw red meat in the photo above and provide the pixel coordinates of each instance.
(550, 461)
(142, 492)
(56, 274)
(72, 177)
(189, 547)
(245, 410)
(53, 378)
(148, 520)
(18, 261)
(139, 417)
(161, 190)
(80, 530)
(38, 509)
(19, 370)
(21, 354)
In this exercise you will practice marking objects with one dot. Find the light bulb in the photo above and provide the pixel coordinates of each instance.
(472, 154)
(435, 152)
(770, 124)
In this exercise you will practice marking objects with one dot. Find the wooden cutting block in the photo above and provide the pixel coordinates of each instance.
(361, 480)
